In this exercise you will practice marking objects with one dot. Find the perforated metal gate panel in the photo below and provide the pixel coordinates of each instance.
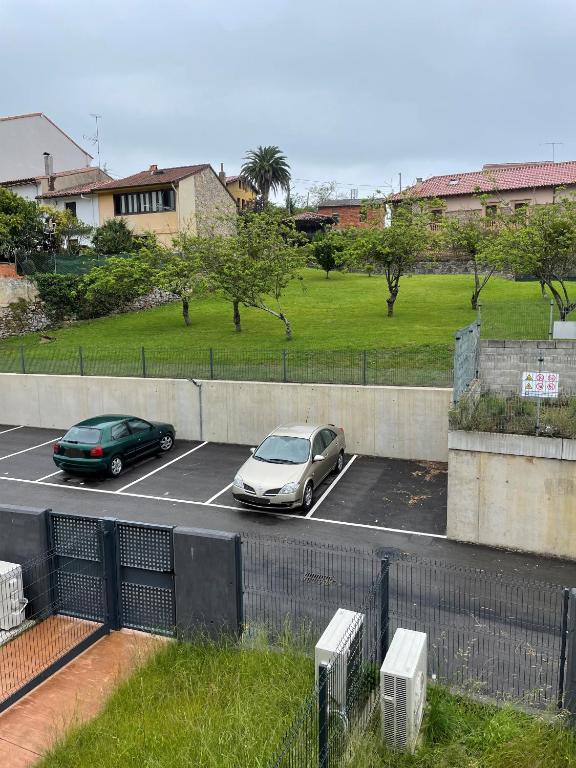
(146, 565)
(78, 584)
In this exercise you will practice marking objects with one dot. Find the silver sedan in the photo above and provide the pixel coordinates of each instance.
(288, 465)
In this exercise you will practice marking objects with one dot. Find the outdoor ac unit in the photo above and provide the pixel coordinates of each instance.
(12, 600)
(403, 689)
(343, 638)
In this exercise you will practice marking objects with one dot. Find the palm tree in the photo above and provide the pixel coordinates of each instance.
(267, 169)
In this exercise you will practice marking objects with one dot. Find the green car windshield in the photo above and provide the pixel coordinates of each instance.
(86, 435)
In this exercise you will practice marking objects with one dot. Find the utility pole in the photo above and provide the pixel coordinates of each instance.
(400, 181)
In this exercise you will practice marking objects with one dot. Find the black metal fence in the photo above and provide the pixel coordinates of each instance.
(406, 366)
(51, 609)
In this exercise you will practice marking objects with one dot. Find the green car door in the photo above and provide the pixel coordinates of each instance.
(146, 437)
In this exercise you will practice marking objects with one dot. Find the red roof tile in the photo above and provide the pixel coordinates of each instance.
(494, 178)
(80, 189)
(150, 178)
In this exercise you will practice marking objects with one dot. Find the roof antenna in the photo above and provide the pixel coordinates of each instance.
(553, 144)
(95, 140)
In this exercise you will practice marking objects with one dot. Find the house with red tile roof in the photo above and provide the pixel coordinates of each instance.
(512, 185)
(168, 201)
(242, 190)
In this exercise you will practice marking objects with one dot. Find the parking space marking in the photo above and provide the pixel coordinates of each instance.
(337, 480)
(25, 450)
(374, 527)
(159, 469)
(10, 430)
(58, 472)
(211, 499)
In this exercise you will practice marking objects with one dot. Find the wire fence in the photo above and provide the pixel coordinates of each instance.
(518, 319)
(406, 366)
(48, 262)
(40, 618)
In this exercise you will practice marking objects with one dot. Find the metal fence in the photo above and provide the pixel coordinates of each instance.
(406, 366)
(518, 319)
(466, 358)
(51, 609)
(47, 262)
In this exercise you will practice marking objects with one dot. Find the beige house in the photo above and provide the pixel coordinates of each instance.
(168, 201)
(242, 190)
(512, 185)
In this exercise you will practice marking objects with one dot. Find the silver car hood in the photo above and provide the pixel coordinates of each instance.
(262, 474)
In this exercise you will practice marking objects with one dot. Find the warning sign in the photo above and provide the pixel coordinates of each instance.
(540, 384)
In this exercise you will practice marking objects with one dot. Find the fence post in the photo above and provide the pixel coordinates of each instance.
(384, 606)
(284, 372)
(22, 359)
(110, 572)
(323, 715)
(81, 361)
(364, 368)
(211, 363)
(143, 363)
(551, 321)
(570, 675)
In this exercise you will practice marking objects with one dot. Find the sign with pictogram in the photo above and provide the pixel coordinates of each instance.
(540, 384)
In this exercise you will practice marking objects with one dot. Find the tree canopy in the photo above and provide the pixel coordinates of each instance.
(267, 168)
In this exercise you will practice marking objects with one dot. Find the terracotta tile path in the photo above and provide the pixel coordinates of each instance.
(73, 695)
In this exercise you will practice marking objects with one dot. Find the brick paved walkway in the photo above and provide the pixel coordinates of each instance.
(73, 695)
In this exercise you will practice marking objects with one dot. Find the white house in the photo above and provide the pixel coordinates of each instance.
(25, 138)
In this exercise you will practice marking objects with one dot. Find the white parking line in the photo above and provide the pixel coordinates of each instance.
(159, 469)
(221, 506)
(58, 472)
(211, 499)
(376, 527)
(337, 480)
(25, 450)
(10, 430)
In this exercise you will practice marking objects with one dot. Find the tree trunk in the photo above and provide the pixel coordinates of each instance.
(474, 300)
(288, 326)
(186, 311)
(236, 306)
(390, 301)
(327, 274)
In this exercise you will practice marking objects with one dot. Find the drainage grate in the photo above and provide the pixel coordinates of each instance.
(318, 578)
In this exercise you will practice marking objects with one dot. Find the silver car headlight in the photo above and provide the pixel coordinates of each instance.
(238, 482)
(289, 488)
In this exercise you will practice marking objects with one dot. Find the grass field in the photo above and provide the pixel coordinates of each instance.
(194, 705)
(458, 733)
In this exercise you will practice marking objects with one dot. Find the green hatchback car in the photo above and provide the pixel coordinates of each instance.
(108, 443)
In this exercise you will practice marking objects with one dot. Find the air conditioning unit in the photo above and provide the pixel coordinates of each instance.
(12, 600)
(342, 638)
(403, 689)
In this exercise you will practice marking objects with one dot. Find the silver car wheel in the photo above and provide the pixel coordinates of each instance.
(166, 443)
(307, 497)
(340, 463)
(116, 466)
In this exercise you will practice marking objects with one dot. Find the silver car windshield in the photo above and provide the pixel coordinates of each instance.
(281, 449)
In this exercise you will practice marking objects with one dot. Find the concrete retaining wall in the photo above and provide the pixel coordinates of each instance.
(397, 422)
(502, 363)
(513, 491)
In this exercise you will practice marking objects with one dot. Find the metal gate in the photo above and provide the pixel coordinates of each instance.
(112, 571)
(466, 358)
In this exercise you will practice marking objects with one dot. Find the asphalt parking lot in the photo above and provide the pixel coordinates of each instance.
(386, 494)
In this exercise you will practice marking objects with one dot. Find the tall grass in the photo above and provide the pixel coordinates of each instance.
(459, 733)
(194, 705)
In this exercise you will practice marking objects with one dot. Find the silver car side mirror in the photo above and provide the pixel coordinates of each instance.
(252, 450)
(318, 457)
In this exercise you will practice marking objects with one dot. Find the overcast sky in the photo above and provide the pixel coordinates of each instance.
(354, 91)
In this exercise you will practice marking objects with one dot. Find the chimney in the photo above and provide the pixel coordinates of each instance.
(418, 179)
(153, 170)
(49, 170)
(222, 174)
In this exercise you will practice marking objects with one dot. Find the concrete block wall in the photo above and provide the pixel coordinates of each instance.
(513, 491)
(503, 362)
(395, 422)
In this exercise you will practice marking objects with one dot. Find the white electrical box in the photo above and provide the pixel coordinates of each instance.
(403, 678)
(12, 600)
(342, 637)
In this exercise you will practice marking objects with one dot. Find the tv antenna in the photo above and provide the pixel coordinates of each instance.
(553, 144)
(95, 140)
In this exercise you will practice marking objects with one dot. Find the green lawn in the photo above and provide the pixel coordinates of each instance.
(194, 705)
(334, 319)
(458, 733)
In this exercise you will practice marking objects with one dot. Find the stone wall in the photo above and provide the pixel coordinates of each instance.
(14, 288)
(503, 362)
(215, 208)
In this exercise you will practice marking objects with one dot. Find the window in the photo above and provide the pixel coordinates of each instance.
(119, 431)
(520, 204)
(154, 201)
(436, 214)
(71, 207)
(86, 435)
(137, 425)
(491, 211)
(283, 449)
(328, 437)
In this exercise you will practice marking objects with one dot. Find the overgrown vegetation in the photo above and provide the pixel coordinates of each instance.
(459, 733)
(194, 705)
